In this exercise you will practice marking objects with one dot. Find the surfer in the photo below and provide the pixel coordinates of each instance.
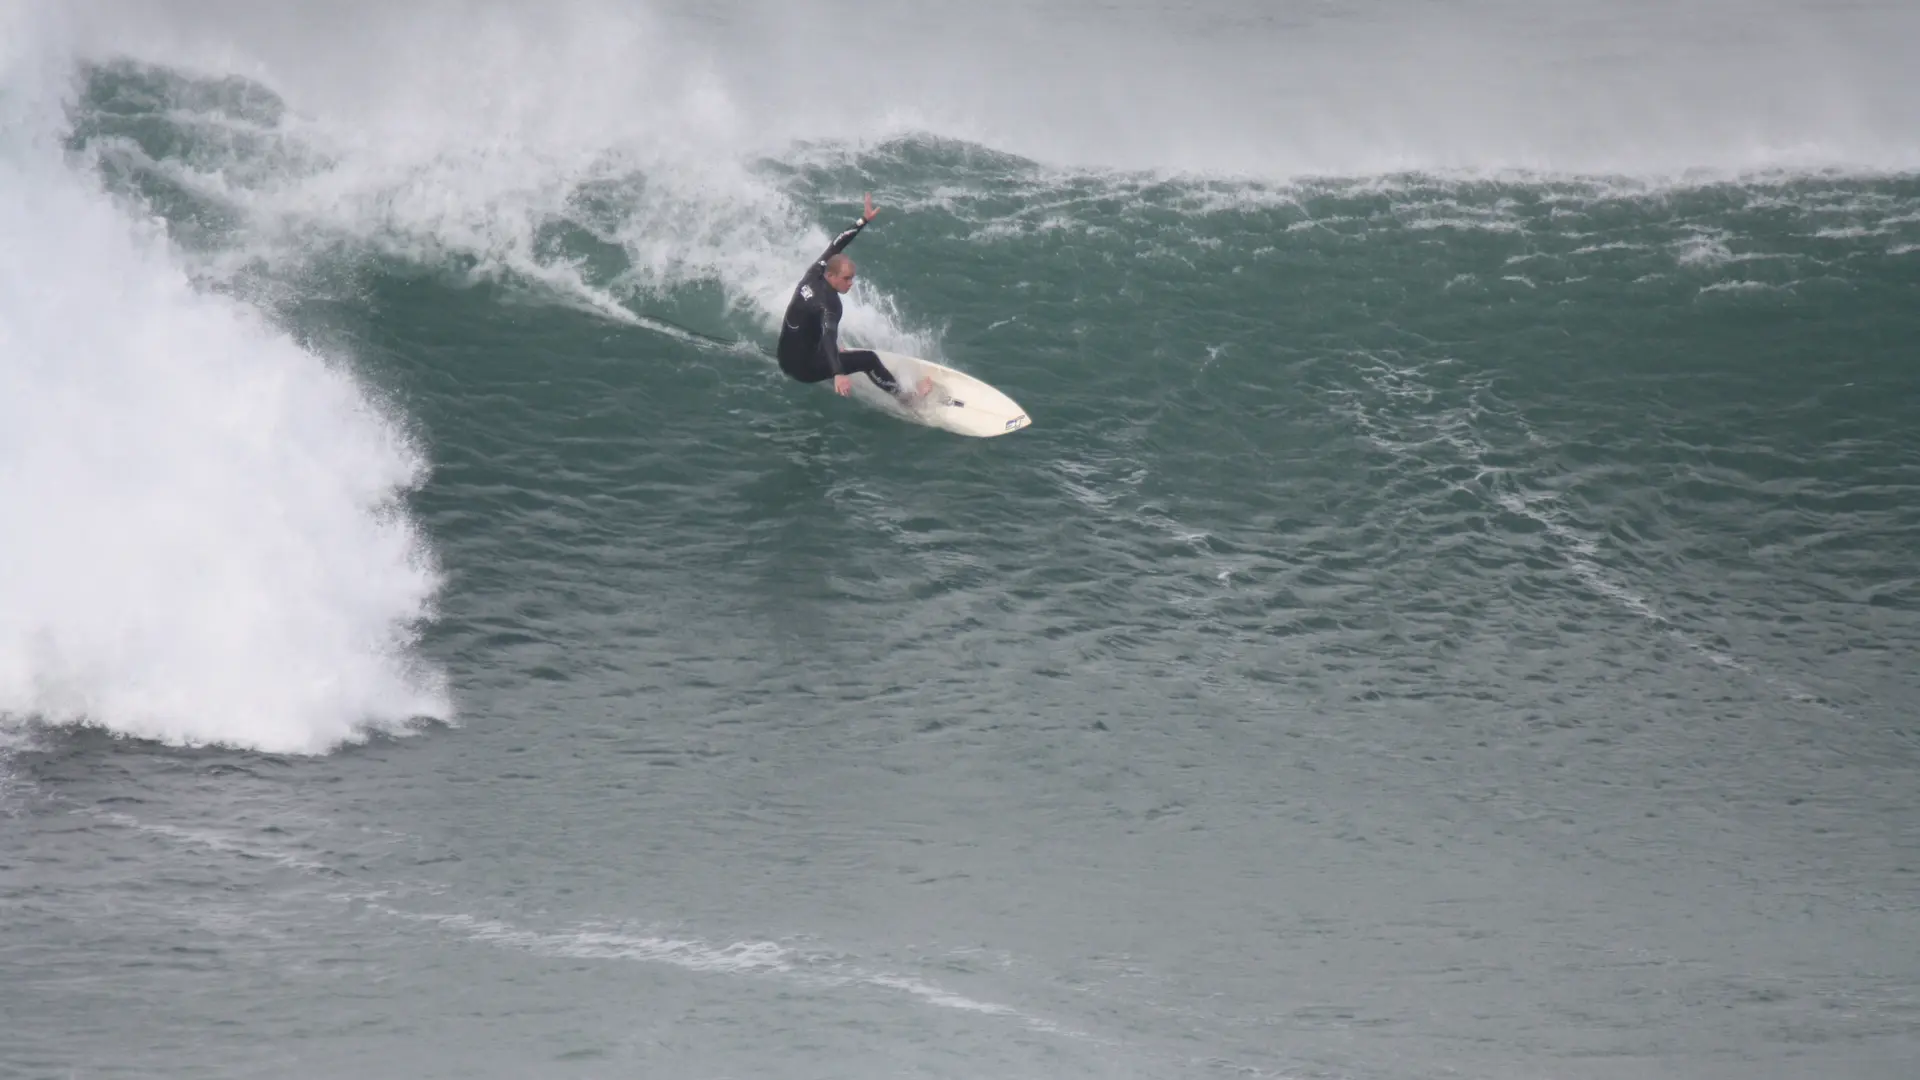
(810, 336)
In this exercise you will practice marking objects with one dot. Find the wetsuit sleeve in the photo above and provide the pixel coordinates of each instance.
(840, 242)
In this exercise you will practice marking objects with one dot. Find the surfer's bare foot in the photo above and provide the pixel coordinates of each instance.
(916, 396)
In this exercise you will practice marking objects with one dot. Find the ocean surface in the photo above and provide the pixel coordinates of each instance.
(1455, 614)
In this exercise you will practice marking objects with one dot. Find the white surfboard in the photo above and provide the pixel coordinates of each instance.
(955, 400)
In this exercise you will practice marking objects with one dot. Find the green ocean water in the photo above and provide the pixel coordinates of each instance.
(1439, 623)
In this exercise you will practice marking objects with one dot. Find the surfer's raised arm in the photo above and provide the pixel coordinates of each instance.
(840, 242)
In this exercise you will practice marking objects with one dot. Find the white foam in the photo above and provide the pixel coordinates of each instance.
(1615, 245)
(1741, 286)
(506, 124)
(1705, 247)
(203, 543)
(1465, 224)
(744, 958)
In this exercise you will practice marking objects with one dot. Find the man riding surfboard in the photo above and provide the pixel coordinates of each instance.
(810, 335)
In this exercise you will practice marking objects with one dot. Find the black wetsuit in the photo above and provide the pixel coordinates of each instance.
(810, 335)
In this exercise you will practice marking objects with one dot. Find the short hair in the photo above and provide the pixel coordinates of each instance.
(838, 263)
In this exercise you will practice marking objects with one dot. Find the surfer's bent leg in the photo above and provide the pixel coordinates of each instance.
(853, 361)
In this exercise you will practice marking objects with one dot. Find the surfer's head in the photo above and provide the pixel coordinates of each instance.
(840, 273)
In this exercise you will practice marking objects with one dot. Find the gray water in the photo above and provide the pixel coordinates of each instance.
(1453, 614)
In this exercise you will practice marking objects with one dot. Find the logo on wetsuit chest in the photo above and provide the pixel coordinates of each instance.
(806, 292)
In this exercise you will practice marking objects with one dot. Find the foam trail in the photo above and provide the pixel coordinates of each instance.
(588, 941)
(754, 958)
(1583, 560)
(203, 542)
(1456, 429)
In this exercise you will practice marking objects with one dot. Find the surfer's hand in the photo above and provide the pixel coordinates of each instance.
(870, 212)
(842, 385)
